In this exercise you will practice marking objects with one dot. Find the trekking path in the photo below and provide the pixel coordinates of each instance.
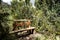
(39, 37)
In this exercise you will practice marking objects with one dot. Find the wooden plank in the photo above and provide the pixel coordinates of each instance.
(22, 20)
(19, 20)
(16, 31)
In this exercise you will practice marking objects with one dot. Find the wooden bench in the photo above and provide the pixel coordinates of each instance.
(30, 30)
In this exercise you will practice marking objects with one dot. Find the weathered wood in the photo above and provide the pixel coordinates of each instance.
(21, 30)
(19, 20)
(22, 20)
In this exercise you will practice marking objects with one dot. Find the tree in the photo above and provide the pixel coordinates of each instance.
(22, 9)
(4, 28)
(48, 9)
(0, 1)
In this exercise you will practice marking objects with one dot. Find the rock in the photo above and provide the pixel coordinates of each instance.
(57, 38)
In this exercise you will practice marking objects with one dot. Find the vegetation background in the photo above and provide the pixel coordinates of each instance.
(45, 16)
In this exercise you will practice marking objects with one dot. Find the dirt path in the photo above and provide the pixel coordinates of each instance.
(40, 37)
(32, 37)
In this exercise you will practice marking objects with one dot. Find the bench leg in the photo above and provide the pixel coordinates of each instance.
(29, 31)
(16, 34)
(32, 31)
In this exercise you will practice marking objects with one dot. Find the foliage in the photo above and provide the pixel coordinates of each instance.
(45, 16)
(48, 18)
(21, 10)
(4, 28)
